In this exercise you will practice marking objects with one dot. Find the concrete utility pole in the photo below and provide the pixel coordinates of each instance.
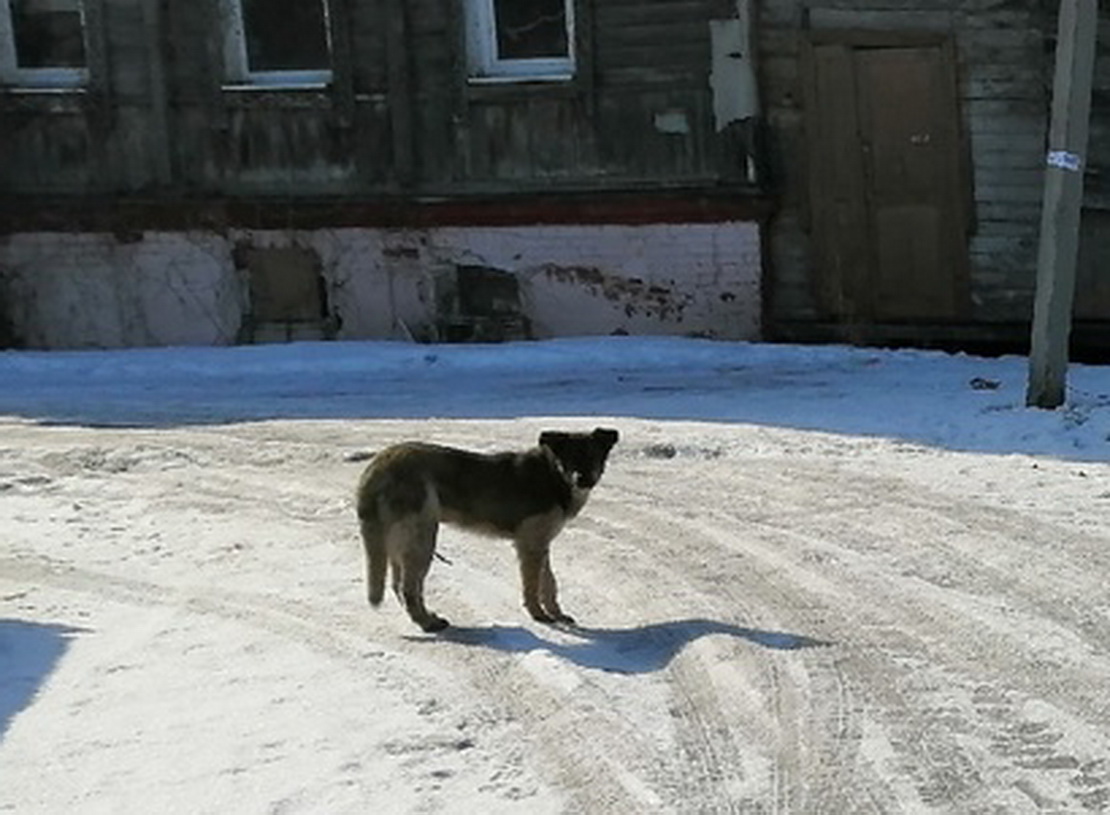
(1063, 200)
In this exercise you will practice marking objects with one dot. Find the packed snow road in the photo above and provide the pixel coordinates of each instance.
(771, 620)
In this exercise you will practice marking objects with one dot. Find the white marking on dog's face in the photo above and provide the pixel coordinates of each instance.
(582, 456)
(587, 479)
(578, 496)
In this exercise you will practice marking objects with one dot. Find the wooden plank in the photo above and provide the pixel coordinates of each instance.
(862, 38)
(678, 55)
(342, 61)
(553, 132)
(369, 63)
(1008, 210)
(663, 35)
(651, 77)
(101, 99)
(585, 45)
(882, 19)
(129, 47)
(616, 17)
(404, 149)
(1092, 283)
(836, 195)
(159, 141)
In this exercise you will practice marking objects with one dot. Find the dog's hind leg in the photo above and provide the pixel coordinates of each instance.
(411, 546)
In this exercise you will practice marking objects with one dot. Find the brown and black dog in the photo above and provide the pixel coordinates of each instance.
(408, 489)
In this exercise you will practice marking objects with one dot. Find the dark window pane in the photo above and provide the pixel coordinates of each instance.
(285, 35)
(48, 33)
(528, 29)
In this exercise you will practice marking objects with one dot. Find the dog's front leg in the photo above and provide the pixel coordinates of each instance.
(549, 591)
(538, 582)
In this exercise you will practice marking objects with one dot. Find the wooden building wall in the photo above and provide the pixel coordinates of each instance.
(400, 117)
(402, 124)
(1004, 60)
(1093, 300)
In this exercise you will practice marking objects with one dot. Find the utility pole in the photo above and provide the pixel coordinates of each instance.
(1063, 200)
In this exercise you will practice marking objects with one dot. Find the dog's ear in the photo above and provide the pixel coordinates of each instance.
(553, 440)
(606, 436)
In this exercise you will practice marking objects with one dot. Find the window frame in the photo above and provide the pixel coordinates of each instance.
(484, 64)
(237, 71)
(55, 78)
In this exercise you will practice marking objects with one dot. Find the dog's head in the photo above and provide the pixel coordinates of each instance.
(582, 455)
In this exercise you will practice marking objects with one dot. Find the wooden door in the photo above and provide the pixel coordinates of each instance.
(889, 189)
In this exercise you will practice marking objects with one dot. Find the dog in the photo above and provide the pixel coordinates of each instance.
(408, 489)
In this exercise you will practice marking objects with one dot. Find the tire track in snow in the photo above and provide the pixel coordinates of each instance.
(594, 780)
(804, 727)
(927, 699)
(926, 640)
(330, 635)
(712, 770)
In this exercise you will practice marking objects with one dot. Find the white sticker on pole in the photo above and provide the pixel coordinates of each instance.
(1064, 160)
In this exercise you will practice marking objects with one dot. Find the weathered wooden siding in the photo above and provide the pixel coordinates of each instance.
(47, 146)
(401, 122)
(638, 113)
(1005, 63)
(1005, 66)
(399, 118)
(1004, 72)
(1093, 284)
(1097, 181)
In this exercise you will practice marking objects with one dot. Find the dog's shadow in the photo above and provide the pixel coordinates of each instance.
(623, 650)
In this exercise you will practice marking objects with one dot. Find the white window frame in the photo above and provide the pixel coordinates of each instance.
(237, 70)
(485, 64)
(46, 78)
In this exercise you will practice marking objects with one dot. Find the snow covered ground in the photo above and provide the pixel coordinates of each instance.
(813, 580)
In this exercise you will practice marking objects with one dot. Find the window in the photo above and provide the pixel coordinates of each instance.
(520, 39)
(42, 43)
(277, 42)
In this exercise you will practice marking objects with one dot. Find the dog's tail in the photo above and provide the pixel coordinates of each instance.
(373, 540)
(373, 536)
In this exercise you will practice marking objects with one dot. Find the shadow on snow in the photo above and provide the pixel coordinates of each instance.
(620, 650)
(920, 397)
(29, 652)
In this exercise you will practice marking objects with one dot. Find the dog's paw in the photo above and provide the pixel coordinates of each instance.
(554, 619)
(434, 624)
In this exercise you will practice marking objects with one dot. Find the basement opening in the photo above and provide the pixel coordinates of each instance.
(288, 295)
(487, 307)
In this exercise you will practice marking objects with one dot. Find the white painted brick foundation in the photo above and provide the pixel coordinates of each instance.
(63, 290)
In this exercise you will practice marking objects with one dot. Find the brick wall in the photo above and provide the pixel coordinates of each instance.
(159, 288)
